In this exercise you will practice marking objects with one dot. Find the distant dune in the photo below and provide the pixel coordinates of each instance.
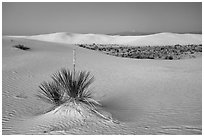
(139, 33)
(143, 40)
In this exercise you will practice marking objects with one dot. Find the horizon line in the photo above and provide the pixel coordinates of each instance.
(125, 33)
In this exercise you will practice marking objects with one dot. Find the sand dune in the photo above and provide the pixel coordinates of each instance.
(145, 96)
(145, 40)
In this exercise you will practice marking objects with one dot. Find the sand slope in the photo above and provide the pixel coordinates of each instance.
(146, 96)
(145, 40)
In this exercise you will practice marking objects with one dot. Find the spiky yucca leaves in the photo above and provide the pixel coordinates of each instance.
(69, 86)
(76, 85)
(51, 93)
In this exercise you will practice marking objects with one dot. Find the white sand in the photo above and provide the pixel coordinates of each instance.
(159, 39)
(146, 96)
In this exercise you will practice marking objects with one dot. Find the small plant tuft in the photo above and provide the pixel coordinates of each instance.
(22, 47)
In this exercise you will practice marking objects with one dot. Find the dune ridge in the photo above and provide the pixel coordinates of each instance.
(144, 40)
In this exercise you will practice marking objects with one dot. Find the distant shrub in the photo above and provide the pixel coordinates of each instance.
(169, 52)
(22, 47)
(169, 57)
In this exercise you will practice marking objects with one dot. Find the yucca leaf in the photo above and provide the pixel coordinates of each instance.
(50, 92)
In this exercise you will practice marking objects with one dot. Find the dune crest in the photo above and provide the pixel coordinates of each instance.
(144, 40)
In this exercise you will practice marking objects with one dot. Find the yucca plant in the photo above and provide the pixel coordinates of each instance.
(68, 86)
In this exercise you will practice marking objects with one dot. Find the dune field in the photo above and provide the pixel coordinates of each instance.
(144, 40)
(141, 96)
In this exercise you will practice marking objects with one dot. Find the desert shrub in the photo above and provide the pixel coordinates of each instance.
(68, 86)
(151, 56)
(169, 57)
(95, 47)
(198, 48)
(22, 47)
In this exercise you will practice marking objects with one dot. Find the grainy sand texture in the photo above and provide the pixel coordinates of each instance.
(139, 96)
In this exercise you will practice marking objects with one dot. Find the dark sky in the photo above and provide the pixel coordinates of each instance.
(37, 18)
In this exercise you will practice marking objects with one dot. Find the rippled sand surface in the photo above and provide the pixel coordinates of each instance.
(144, 96)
